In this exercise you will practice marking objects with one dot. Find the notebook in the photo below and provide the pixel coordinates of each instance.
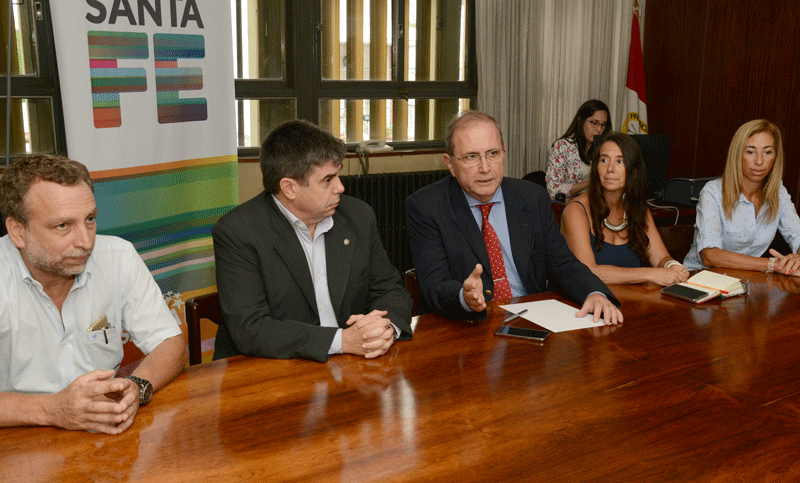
(705, 286)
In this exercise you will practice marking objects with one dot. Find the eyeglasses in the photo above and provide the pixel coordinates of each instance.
(601, 125)
(472, 159)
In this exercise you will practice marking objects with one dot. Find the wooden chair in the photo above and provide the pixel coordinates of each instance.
(412, 285)
(197, 308)
(678, 239)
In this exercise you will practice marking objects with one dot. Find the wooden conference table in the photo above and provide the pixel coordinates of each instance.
(679, 392)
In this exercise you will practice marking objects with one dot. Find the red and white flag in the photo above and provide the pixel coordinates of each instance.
(635, 121)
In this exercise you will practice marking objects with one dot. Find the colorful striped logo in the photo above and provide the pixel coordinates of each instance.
(167, 212)
(170, 79)
(108, 80)
(105, 48)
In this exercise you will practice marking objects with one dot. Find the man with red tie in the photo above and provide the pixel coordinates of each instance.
(477, 236)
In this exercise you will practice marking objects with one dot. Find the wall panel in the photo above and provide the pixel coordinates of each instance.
(673, 61)
(712, 65)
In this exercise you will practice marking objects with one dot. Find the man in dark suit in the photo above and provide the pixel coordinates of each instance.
(446, 227)
(301, 270)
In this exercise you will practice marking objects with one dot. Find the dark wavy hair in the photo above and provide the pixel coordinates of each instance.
(634, 202)
(294, 149)
(575, 130)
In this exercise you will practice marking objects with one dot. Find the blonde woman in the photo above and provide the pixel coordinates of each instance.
(739, 214)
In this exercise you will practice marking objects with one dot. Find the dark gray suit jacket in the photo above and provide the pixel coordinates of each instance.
(265, 286)
(446, 244)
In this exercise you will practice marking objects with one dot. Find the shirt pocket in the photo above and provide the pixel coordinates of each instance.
(102, 349)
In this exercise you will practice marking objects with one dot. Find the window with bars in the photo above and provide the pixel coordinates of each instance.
(395, 70)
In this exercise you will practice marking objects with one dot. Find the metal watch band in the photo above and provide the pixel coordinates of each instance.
(145, 389)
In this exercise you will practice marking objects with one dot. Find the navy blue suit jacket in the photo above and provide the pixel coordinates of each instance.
(446, 244)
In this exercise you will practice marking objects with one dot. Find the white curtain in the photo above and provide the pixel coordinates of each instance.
(539, 60)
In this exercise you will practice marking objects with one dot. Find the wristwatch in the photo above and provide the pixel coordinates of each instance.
(145, 389)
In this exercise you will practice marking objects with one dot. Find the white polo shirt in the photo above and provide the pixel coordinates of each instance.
(39, 354)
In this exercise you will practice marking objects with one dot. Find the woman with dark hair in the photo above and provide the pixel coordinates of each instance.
(739, 214)
(610, 228)
(569, 162)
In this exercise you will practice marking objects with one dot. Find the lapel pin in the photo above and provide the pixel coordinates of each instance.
(346, 241)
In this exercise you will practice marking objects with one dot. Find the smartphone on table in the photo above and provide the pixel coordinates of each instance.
(522, 333)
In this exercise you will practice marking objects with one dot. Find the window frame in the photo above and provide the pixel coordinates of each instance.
(305, 85)
(43, 85)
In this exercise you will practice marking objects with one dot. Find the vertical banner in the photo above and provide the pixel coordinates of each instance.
(635, 121)
(148, 96)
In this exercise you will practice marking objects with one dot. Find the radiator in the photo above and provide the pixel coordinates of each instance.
(387, 194)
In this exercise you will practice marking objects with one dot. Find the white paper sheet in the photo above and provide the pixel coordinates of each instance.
(553, 315)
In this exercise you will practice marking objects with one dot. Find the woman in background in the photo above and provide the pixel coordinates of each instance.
(610, 228)
(739, 214)
(569, 162)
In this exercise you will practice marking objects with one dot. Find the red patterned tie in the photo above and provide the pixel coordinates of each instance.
(502, 289)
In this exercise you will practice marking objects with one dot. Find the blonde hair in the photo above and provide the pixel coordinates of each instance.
(732, 177)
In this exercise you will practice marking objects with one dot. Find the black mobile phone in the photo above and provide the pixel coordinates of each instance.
(684, 293)
(522, 333)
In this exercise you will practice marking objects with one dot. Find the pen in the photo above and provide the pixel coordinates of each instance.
(515, 316)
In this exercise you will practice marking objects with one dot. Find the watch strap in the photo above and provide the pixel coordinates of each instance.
(145, 389)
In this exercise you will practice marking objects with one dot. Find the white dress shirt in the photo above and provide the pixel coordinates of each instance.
(317, 265)
(745, 232)
(43, 351)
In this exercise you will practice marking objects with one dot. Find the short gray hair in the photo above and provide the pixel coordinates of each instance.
(465, 118)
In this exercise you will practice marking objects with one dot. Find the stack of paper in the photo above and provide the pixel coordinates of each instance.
(705, 286)
(553, 315)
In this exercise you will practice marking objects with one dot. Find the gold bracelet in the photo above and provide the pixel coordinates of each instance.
(771, 265)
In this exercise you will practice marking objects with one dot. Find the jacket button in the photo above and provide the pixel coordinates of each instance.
(487, 292)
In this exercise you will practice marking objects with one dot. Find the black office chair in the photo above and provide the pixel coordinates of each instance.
(655, 151)
(197, 308)
(537, 177)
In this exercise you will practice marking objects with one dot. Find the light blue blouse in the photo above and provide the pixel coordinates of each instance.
(745, 232)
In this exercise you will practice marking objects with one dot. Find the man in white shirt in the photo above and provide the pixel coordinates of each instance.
(66, 295)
